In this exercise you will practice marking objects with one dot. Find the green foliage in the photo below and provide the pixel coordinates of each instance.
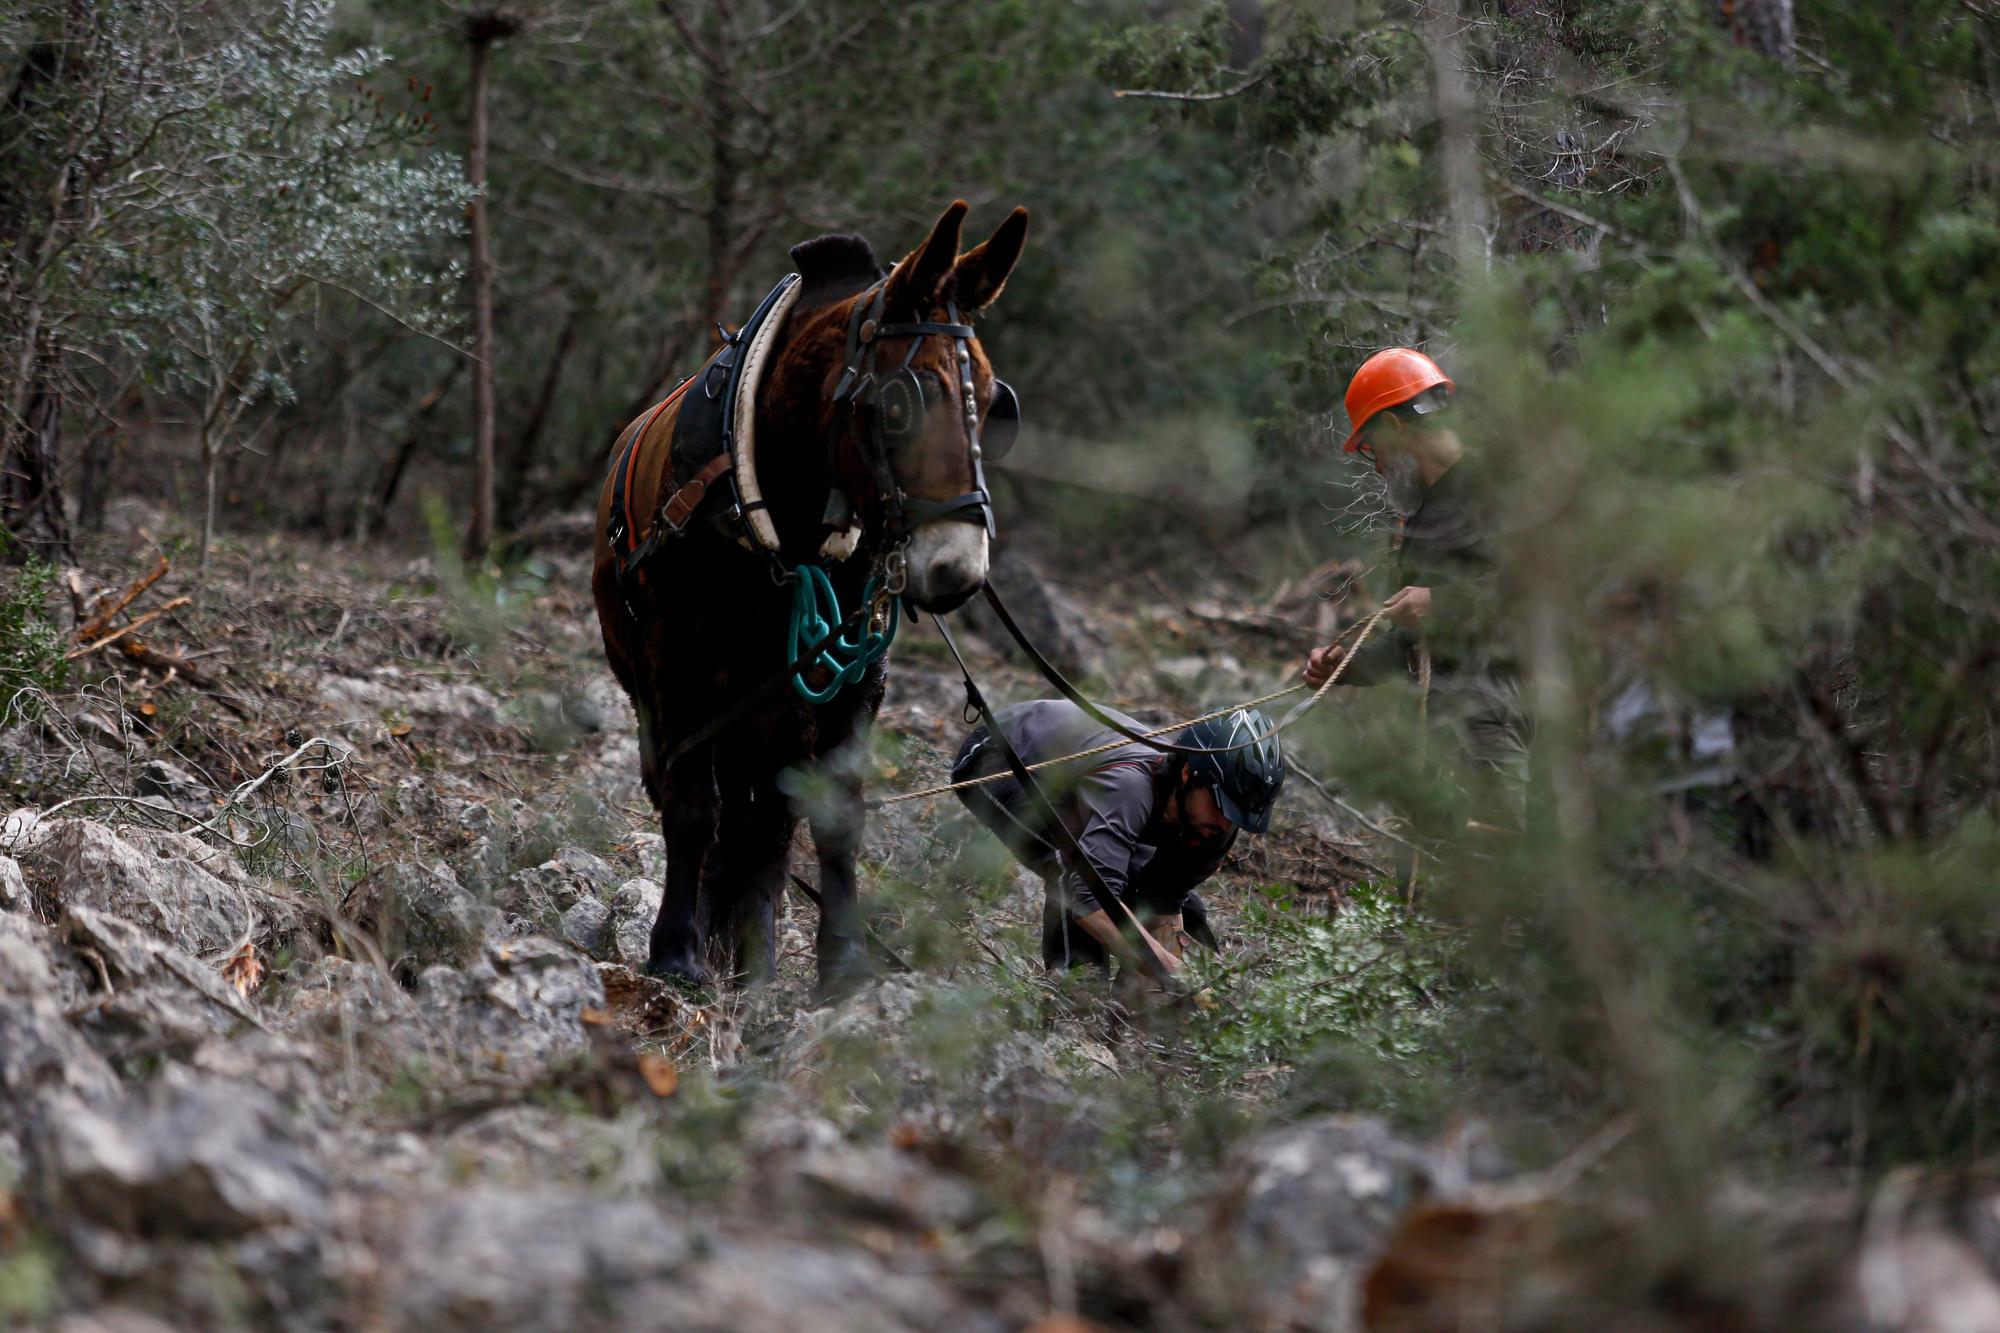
(28, 1272)
(31, 643)
(1366, 982)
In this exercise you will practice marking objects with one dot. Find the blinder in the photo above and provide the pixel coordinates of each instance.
(1002, 425)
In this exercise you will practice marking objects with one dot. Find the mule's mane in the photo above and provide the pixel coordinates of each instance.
(834, 267)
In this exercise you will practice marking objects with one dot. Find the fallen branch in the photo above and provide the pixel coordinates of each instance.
(107, 607)
(146, 655)
(117, 634)
(244, 790)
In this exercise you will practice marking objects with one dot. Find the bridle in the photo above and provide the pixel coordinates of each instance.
(899, 400)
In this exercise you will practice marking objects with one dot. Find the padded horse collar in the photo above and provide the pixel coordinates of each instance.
(897, 401)
(702, 450)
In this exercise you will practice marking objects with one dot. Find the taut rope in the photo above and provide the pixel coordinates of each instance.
(1367, 627)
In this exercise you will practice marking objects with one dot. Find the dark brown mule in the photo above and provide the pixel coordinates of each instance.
(703, 622)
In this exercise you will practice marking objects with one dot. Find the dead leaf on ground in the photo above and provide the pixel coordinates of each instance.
(243, 970)
(660, 1074)
(597, 1018)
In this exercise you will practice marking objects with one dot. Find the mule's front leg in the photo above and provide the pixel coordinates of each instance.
(688, 801)
(755, 853)
(837, 825)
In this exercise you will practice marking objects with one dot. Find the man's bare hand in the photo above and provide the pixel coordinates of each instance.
(1322, 662)
(1408, 607)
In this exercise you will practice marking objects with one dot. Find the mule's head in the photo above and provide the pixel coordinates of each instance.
(926, 406)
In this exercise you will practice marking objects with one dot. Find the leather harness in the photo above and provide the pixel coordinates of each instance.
(703, 446)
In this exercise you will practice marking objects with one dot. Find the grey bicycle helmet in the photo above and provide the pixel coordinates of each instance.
(1245, 780)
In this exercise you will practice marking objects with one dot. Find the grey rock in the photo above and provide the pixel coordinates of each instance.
(100, 730)
(160, 777)
(587, 925)
(1059, 626)
(170, 884)
(518, 1009)
(392, 692)
(495, 1259)
(414, 796)
(425, 915)
(161, 998)
(541, 894)
(186, 1157)
(885, 1186)
(651, 849)
(764, 1285)
(41, 1055)
(13, 887)
(634, 907)
(1300, 1214)
(477, 819)
(331, 995)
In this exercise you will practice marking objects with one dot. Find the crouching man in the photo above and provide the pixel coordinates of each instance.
(1153, 826)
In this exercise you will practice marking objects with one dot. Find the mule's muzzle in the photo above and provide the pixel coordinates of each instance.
(947, 563)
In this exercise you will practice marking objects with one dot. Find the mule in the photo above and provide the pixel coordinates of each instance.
(850, 479)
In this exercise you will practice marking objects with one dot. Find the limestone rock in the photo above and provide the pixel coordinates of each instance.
(186, 1156)
(587, 925)
(13, 888)
(517, 1009)
(496, 1259)
(172, 885)
(42, 1056)
(1298, 1218)
(634, 908)
(423, 914)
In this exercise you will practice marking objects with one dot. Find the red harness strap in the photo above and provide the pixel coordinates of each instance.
(636, 440)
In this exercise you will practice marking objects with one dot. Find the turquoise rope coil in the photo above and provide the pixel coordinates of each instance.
(815, 614)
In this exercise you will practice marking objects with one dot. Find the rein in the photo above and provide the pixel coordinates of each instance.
(790, 670)
(1044, 808)
(1143, 737)
(1149, 738)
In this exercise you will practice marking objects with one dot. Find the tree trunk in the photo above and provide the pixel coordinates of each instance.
(31, 404)
(718, 89)
(521, 452)
(211, 458)
(481, 32)
(377, 506)
(1765, 26)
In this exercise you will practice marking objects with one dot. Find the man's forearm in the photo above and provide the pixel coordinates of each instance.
(1150, 955)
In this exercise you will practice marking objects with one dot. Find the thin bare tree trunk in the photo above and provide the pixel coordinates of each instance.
(527, 441)
(481, 32)
(481, 531)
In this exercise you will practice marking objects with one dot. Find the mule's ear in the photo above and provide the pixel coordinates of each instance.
(982, 271)
(914, 288)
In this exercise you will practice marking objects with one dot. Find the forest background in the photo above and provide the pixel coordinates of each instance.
(1716, 281)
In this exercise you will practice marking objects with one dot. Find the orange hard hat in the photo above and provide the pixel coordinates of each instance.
(1390, 378)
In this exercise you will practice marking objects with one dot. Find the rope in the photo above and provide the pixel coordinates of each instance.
(1367, 627)
(816, 618)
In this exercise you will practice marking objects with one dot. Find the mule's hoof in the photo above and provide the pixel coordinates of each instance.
(686, 971)
(843, 968)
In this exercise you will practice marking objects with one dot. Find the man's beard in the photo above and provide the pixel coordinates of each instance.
(1403, 481)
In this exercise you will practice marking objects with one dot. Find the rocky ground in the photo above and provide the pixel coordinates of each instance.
(318, 1009)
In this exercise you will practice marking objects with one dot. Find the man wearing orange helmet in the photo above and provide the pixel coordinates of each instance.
(1399, 404)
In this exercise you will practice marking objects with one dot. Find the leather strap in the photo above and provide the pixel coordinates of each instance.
(680, 506)
(1077, 697)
